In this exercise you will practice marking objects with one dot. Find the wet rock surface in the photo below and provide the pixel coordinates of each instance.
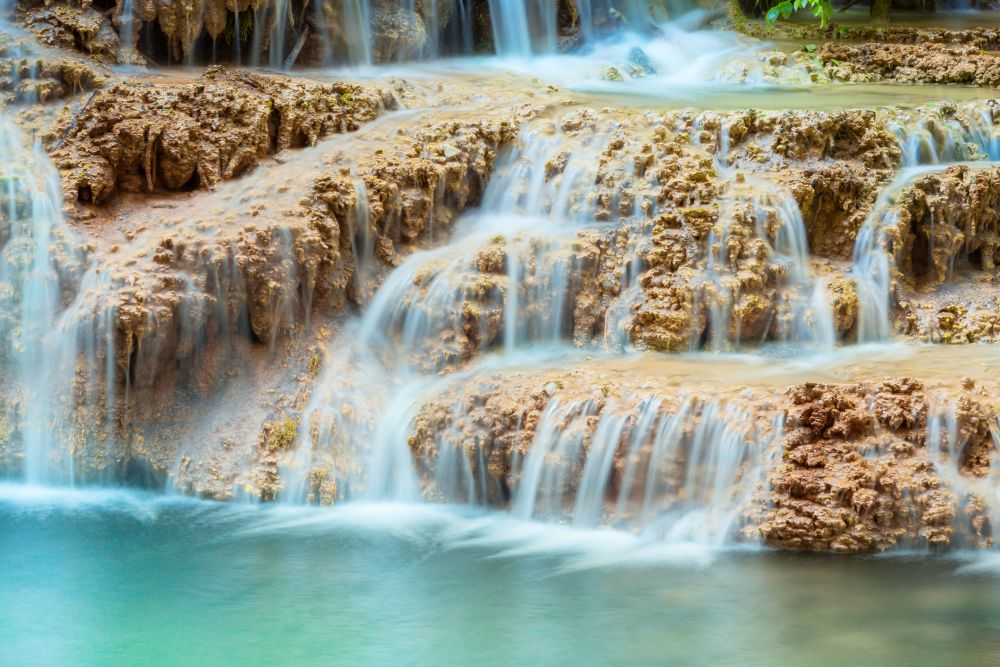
(72, 27)
(693, 211)
(906, 63)
(29, 75)
(863, 466)
(864, 469)
(152, 137)
(224, 297)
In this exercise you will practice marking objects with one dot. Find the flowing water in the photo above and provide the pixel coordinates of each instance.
(584, 558)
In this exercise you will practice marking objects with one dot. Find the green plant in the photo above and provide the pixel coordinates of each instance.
(246, 27)
(821, 9)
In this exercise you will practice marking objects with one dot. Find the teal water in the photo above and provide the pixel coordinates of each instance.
(116, 578)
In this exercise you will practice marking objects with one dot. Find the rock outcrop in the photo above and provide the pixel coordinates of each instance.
(863, 469)
(180, 305)
(151, 137)
(70, 27)
(911, 63)
(29, 74)
(865, 466)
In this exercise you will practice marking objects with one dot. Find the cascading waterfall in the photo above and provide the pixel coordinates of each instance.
(933, 141)
(39, 268)
(805, 316)
(871, 267)
(676, 466)
(419, 321)
(426, 319)
(19, 48)
(927, 146)
(73, 378)
(872, 258)
(676, 472)
(273, 33)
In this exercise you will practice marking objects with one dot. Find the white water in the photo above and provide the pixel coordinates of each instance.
(39, 264)
(690, 468)
(968, 134)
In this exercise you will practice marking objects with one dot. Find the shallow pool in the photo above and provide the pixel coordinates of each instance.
(108, 577)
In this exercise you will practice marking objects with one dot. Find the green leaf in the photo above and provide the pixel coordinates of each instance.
(809, 48)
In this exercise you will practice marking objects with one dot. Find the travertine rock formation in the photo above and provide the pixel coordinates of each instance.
(862, 470)
(29, 74)
(696, 206)
(71, 26)
(947, 219)
(911, 63)
(178, 295)
(861, 466)
(415, 185)
(150, 137)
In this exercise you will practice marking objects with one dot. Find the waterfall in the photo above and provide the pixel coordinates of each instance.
(927, 146)
(525, 27)
(40, 267)
(350, 31)
(871, 268)
(689, 469)
(804, 312)
(968, 134)
(506, 283)
(947, 443)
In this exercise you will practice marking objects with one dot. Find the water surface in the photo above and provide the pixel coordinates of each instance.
(109, 577)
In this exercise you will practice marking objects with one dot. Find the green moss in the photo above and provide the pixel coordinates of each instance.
(280, 435)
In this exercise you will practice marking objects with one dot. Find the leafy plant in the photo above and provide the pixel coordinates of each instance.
(821, 9)
(246, 27)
